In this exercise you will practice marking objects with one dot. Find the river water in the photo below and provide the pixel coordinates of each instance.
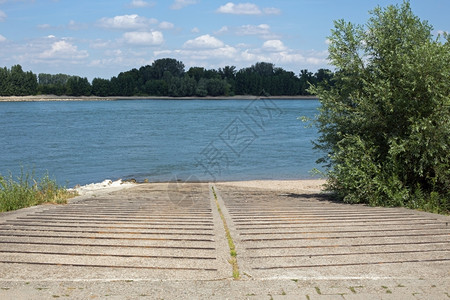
(82, 142)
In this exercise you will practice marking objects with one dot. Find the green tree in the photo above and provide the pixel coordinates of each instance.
(21, 83)
(52, 84)
(5, 85)
(202, 88)
(78, 86)
(171, 65)
(306, 78)
(188, 86)
(101, 87)
(385, 122)
(217, 87)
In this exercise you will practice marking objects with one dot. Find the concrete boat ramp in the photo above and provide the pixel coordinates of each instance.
(169, 241)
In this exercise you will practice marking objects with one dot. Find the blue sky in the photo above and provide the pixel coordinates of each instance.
(100, 38)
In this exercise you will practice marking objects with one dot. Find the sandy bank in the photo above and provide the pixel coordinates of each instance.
(40, 98)
(288, 186)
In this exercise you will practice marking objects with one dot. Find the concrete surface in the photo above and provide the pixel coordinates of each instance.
(167, 241)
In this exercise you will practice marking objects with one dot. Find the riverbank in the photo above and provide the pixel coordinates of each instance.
(39, 98)
(286, 186)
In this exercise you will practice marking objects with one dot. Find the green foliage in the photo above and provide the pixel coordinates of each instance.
(77, 86)
(167, 77)
(25, 191)
(101, 87)
(16, 82)
(385, 118)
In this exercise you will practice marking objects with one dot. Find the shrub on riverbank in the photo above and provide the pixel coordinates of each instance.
(25, 191)
(385, 123)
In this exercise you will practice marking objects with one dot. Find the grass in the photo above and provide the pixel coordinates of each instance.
(25, 190)
(388, 291)
(233, 253)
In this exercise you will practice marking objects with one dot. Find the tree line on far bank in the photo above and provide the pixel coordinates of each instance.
(167, 77)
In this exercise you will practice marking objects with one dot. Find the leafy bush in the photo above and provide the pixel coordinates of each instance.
(25, 191)
(385, 120)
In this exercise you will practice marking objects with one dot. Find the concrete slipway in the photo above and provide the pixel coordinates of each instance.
(167, 241)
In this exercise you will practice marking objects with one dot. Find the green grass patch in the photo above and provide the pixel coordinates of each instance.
(233, 253)
(26, 190)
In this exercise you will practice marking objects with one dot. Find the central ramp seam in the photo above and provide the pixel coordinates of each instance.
(233, 254)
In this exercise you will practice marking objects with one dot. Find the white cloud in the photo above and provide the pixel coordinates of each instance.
(262, 30)
(240, 9)
(2, 16)
(141, 4)
(222, 30)
(76, 26)
(100, 44)
(195, 30)
(44, 26)
(166, 25)
(63, 49)
(179, 4)
(274, 45)
(127, 22)
(204, 41)
(247, 9)
(2, 38)
(209, 58)
(272, 11)
(144, 38)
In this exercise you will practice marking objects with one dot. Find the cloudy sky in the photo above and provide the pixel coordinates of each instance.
(104, 37)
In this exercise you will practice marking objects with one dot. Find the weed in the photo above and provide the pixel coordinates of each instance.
(318, 290)
(352, 289)
(400, 285)
(307, 297)
(233, 253)
(25, 190)
(283, 293)
(294, 280)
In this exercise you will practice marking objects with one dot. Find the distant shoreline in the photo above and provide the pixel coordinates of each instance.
(42, 98)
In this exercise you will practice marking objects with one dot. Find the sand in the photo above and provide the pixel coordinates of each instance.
(289, 186)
